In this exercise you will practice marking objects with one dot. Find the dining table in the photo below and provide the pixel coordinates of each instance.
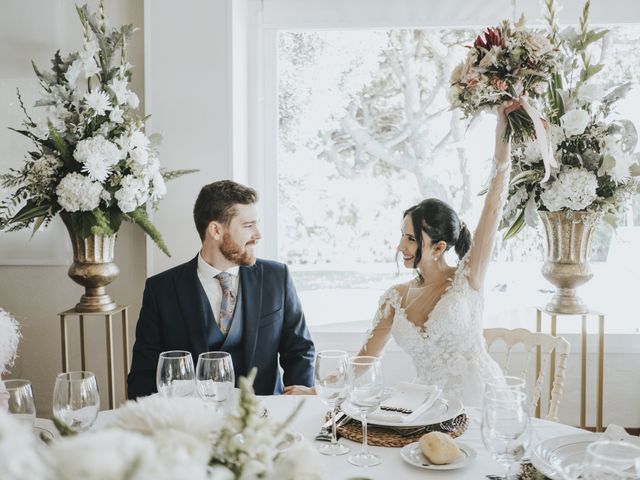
(312, 415)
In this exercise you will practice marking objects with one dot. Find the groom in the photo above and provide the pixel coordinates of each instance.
(225, 299)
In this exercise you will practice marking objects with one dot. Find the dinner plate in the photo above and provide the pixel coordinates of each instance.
(443, 409)
(412, 454)
(566, 448)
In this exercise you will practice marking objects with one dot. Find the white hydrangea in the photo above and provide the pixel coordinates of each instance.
(133, 192)
(574, 189)
(98, 101)
(97, 156)
(77, 192)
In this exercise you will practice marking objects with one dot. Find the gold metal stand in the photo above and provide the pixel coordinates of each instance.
(583, 386)
(108, 319)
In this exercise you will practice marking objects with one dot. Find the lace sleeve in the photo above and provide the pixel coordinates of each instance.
(484, 236)
(380, 332)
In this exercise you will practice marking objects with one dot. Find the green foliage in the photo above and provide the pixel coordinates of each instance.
(140, 217)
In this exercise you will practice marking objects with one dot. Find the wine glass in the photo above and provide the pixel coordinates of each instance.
(175, 376)
(603, 460)
(20, 400)
(510, 382)
(506, 426)
(76, 400)
(330, 381)
(214, 376)
(365, 389)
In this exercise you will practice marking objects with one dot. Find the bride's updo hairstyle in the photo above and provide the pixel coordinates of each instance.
(441, 223)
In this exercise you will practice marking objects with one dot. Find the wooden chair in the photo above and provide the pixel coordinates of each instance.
(544, 345)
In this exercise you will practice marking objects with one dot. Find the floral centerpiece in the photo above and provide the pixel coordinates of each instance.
(92, 163)
(165, 438)
(506, 62)
(597, 167)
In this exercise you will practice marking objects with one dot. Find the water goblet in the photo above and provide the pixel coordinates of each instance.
(330, 381)
(603, 460)
(175, 375)
(365, 388)
(215, 377)
(20, 402)
(76, 400)
(506, 426)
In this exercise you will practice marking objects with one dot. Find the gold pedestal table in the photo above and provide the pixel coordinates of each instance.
(121, 310)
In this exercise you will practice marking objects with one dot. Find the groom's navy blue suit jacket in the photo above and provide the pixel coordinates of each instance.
(173, 318)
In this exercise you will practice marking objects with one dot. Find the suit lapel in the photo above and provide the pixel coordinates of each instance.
(251, 284)
(190, 301)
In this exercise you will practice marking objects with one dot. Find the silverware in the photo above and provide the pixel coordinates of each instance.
(324, 435)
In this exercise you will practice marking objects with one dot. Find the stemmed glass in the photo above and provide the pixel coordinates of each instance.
(506, 426)
(365, 389)
(175, 376)
(330, 381)
(76, 400)
(603, 460)
(214, 376)
(21, 403)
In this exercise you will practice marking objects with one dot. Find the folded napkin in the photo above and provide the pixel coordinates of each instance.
(616, 433)
(407, 403)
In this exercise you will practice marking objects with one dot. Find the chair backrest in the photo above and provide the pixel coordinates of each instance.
(532, 342)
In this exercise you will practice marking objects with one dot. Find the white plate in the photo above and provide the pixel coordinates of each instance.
(571, 448)
(443, 409)
(413, 454)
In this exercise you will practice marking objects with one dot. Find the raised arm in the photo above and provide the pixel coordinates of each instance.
(485, 233)
(380, 332)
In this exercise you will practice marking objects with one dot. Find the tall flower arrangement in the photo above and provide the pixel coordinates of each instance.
(597, 168)
(92, 161)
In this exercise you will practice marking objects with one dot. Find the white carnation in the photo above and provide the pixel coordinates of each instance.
(98, 101)
(574, 189)
(78, 193)
(133, 193)
(575, 121)
(97, 156)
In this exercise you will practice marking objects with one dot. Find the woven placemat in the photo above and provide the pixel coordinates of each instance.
(387, 437)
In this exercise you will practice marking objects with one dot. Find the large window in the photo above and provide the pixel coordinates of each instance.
(364, 132)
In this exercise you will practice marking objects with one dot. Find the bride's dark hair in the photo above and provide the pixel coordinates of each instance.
(441, 223)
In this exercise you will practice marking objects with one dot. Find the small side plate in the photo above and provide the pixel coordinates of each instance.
(413, 454)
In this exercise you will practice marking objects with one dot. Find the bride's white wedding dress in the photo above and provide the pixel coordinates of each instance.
(449, 351)
(442, 333)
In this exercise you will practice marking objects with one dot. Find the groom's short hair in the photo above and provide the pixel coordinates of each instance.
(216, 203)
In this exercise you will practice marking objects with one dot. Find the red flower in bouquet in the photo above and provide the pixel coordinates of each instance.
(492, 37)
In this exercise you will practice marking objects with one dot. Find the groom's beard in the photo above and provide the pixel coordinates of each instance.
(236, 253)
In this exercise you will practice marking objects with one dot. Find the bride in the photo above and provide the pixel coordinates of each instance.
(437, 317)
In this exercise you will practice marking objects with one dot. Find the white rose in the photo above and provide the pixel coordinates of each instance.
(575, 121)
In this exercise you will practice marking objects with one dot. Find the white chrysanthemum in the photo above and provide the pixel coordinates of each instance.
(138, 140)
(119, 88)
(574, 189)
(133, 193)
(97, 156)
(77, 192)
(22, 457)
(149, 414)
(98, 101)
(575, 121)
(9, 337)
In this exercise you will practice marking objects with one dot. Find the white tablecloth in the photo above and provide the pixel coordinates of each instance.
(311, 417)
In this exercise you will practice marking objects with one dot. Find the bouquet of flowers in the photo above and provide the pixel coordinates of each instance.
(598, 169)
(506, 62)
(92, 162)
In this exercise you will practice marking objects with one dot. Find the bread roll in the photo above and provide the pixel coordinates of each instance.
(439, 448)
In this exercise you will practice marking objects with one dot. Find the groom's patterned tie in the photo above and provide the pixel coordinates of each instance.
(228, 304)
